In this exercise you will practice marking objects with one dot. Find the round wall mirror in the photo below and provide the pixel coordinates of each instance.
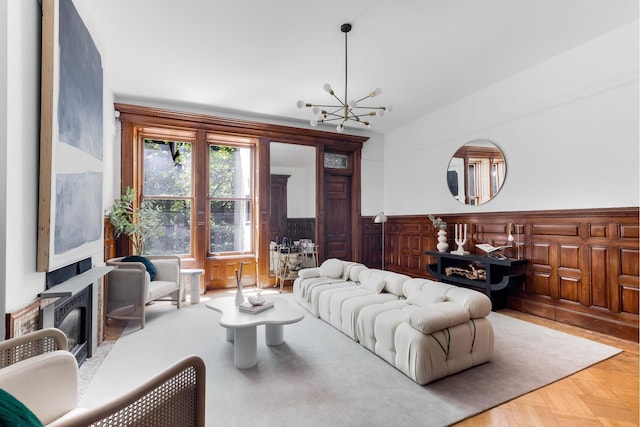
(476, 172)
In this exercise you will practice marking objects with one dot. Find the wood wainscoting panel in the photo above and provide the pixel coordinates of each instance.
(221, 272)
(583, 265)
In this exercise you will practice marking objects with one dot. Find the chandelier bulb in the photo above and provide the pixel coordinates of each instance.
(300, 104)
(314, 122)
(380, 112)
(340, 127)
(316, 110)
(389, 108)
(327, 88)
(376, 92)
(353, 104)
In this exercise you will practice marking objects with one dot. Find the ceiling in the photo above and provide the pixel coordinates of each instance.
(259, 58)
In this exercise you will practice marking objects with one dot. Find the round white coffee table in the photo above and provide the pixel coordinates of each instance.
(241, 327)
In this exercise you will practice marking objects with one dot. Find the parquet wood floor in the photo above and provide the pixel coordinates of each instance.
(605, 394)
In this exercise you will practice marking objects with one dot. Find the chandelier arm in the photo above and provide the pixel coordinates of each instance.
(333, 114)
(326, 105)
(372, 108)
(340, 101)
(325, 120)
(363, 115)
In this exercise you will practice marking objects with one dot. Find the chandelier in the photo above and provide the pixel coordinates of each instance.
(345, 110)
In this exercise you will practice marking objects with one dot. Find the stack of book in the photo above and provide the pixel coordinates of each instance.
(246, 307)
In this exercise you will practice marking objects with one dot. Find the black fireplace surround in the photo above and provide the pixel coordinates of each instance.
(72, 314)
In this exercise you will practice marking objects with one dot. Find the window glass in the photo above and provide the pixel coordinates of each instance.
(174, 236)
(230, 172)
(167, 188)
(230, 226)
(230, 205)
(167, 168)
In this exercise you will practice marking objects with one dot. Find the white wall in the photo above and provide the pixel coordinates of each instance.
(22, 282)
(373, 175)
(301, 190)
(4, 37)
(568, 128)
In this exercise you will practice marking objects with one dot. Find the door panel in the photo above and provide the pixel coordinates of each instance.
(278, 214)
(337, 224)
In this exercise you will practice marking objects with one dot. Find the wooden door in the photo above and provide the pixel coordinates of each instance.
(337, 223)
(278, 213)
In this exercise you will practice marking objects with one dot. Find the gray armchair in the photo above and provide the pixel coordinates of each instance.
(39, 372)
(129, 286)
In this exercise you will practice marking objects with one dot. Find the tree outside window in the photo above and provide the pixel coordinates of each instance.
(230, 199)
(168, 186)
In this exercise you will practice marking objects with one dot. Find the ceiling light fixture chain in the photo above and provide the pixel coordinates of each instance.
(347, 110)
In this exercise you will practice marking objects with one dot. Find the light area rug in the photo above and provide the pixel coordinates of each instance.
(320, 377)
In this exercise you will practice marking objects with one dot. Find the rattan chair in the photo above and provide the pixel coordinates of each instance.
(39, 371)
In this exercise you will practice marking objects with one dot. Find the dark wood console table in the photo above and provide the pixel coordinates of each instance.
(498, 275)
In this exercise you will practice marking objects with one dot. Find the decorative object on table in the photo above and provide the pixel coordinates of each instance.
(492, 251)
(137, 223)
(441, 226)
(257, 299)
(381, 218)
(255, 309)
(239, 295)
(346, 109)
(472, 273)
(518, 243)
(460, 237)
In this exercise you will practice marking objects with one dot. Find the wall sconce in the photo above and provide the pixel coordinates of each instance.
(381, 218)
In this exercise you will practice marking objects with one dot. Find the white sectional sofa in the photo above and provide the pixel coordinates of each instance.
(425, 329)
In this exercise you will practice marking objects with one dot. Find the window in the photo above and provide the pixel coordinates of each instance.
(167, 186)
(230, 198)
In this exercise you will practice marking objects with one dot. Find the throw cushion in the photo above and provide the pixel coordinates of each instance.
(425, 298)
(331, 268)
(151, 269)
(373, 284)
(307, 273)
(14, 413)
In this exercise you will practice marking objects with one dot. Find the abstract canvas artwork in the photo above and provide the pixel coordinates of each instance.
(71, 140)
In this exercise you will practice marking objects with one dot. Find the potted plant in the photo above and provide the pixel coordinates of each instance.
(441, 226)
(137, 223)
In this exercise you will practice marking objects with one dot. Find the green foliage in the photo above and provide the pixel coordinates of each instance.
(139, 224)
(438, 223)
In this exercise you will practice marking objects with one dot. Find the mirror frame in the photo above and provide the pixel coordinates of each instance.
(484, 157)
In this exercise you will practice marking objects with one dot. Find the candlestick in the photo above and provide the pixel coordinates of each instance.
(460, 237)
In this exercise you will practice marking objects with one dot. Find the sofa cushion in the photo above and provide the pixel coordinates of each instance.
(332, 268)
(425, 298)
(147, 264)
(14, 413)
(373, 284)
(307, 273)
(438, 316)
(476, 303)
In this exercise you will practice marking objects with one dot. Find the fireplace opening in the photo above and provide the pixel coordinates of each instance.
(72, 317)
